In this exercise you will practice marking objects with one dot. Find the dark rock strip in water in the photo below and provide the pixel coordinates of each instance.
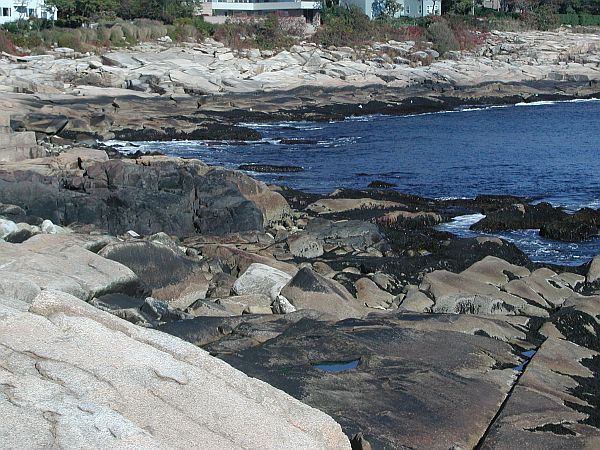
(270, 168)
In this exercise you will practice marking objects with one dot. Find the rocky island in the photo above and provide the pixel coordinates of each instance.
(149, 301)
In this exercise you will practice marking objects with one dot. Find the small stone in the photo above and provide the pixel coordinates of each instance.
(48, 227)
(282, 306)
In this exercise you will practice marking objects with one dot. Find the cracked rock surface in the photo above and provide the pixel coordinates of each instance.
(72, 376)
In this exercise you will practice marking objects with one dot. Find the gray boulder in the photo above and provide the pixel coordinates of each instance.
(55, 262)
(309, 290)
(261, 279)
(304, 246)
(355, 235)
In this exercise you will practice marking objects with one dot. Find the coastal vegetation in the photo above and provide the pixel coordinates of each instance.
(98, 25)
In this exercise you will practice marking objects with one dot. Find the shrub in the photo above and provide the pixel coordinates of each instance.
(231, 34)
(411, 33)
(442, 37)
(31, 40)
(117, 36)
(202, 27)
(142, 33)
(351, 27)
(61, 37)
(6, 43)
(344, 26)
(191, 28)
(158, 31)
(469, 31)
(588, 20)
(546, 18)
(269, 33)
(512, 25)
(129, 32)
(103, 35)
(569, 19)
(88, 36)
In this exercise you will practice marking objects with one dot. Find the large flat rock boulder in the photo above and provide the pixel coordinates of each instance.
(554, 405)
(162, 267)
(59, 262)
(495, 286)
(495, 271)
(403, 388)
(351, 235)
(86, 379)
(460, 294)
(17, 146)
(147, 195)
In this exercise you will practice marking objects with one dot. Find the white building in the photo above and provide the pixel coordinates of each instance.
(11, 10)
(410, 8)
(308, 9)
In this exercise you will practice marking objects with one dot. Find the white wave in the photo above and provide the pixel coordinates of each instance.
(595, 204)
(461, 223)
(556, 102)
(302, 125)
(483, 108)
(366, 118)
(540, 103)
(442, 199)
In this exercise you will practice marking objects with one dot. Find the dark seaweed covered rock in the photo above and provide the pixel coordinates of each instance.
(378, 184)
(270, 168)
(213, 132)
(519, 216)
(147, 195)
(584, 224)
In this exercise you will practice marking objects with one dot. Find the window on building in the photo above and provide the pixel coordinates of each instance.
(31, 12)
(21, 9)
(429, 9)
(407, 9)
(6, 12)
(420, 9)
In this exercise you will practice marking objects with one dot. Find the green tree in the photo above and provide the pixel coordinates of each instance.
(88, 10)
(386, 10)
(84, 10)
(165, 10)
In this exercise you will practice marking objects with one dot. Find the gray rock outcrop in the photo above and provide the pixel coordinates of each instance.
(88, 379)
(147, 195)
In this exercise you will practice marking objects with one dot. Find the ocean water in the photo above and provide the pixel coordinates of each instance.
(548, 151)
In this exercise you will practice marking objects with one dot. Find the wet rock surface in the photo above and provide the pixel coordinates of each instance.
(416, 381)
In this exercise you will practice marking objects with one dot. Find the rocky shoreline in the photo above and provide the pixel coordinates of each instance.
(204, 91)
(372, 328)
(278, 284)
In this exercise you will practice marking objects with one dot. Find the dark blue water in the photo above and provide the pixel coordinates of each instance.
(547, 151)
(336, 367)
(527, 355)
